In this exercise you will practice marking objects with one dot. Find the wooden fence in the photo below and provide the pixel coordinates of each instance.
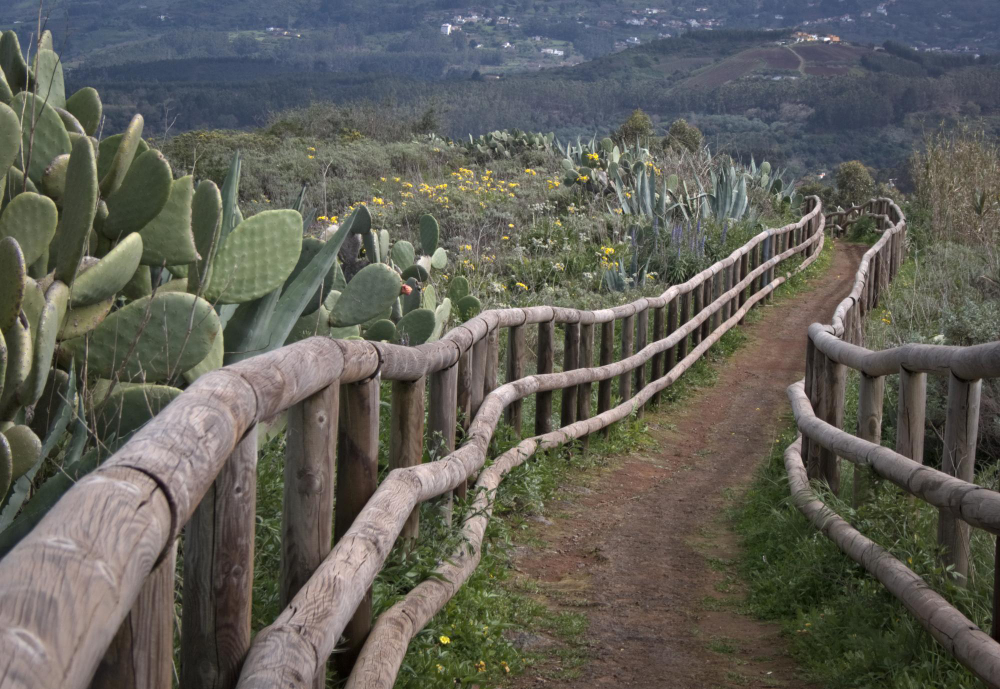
(818, 404)
(87, 598)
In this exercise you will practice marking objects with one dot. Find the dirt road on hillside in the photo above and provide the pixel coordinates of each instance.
(642, 551)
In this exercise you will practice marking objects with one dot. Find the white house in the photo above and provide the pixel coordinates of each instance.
(633, 41)
(553, 51)
(446, 29)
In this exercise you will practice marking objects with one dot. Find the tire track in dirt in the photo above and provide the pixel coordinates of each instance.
(642, 550)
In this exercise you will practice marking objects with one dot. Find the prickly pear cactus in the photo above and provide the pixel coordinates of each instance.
(368, 294)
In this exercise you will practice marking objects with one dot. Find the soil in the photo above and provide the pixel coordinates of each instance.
(646, 550)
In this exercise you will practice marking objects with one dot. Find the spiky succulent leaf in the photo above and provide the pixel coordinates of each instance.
(382, 330)
(468, 307)
(458, 288)
(410, 302)
(141, 196)
(428, 298)
(19, 359)
(31, 219)
(48, 75)
(439, 260)
(25, 449)
(403, 254)
(416, 271)
(44, 346)
(54, 178)
(12, 61)
(10, 137)
(206, 224)
(149, 339)
(12, 284)
(116, 155)
(82, 320)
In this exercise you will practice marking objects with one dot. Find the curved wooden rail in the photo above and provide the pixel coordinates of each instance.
(818, 404)
(83, 592)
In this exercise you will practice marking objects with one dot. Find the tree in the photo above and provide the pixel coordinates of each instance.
(854, 183)
(682, 137)
(637, 126)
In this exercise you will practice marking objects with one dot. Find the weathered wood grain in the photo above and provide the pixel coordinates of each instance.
(406, 440)
(870, 394)
(571, 360)
(516, 353)
(546, 363)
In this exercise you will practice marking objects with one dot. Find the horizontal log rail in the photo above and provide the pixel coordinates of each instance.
(74, 591)
(818, 405)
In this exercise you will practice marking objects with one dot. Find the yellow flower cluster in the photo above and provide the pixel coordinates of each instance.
(593, 156)
(529, 171)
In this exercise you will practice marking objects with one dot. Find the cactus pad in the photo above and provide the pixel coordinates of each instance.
(10, 137)
(439, 260)
(371, 292)
(44, 348)
(441, 315)
(430, 233)
(33, 303)
(381, 331)
(6, 466)
(468, 306)
(416, 271)
(128, 406)
(78, 211)
(148, 339)
(428, 298)
(54, 178)
(410, 302)
(206, 225)
(46, 140)
(82, 320)
(48, 75)
(383, 245)
(141, 196)
(85, 106)
(140, 284)
(12, 61)
(167, 238)
(214, 360)
(415, 327)
(458, 289)
(256, 257)
(403, 254)
(13, 270)
(371, 244)
(18, 340)
(109, 275)
(31, 219)
(310, 247)
(361, 220)
(116, 154)
(25, 449)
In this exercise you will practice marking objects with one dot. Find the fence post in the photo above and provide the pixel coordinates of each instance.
(406, 441)
(464, 395)
(307, 505)
(641, 340)
(768, 275)
(696, 309)
(810, 390)
(744, 271)
(584, 391)
(357, 479)
(218, 574)
(682, 346)
(516, 351)
(870, 392)
(625, 379)
(833, 392)
(442, 418)
(478, 377)
(706, 301)
(911, 414)
(607, 357)
(492, 361)
(818, 399)
(959, 459)
(670, 356)
(546, 361)
(727, 284)
(141, 656)
(571, 360)
(656, 368)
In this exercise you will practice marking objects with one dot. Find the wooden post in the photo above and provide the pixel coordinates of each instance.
(546, 362)
(819, 399)
(607, 357)
(809, 386)
(961, 430)
(516, 351)
(307, 505)
(357, 479)
(911, 414)
(492, 361)
(584, 392)
(571, 360)
(406, 441)
(141, 656)
(744, 271)
(768, 276)
(656, 368)
(706, 301)
(870, 392)
(727, 284)
(218, 574)
(995, 632)
(442, 418)
(641, 337)
(478, 377)
(696, 308)
(464, 395)
(682, 318)
(625, 379)
(670, 356)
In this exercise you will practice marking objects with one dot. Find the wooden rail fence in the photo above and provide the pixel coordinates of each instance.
(818, 404)
(87, 597)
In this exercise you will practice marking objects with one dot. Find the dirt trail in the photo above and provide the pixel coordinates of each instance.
(642, 551)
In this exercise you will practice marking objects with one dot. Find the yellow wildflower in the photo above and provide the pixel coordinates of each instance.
(444, 639)
(505, 238)
(440, 668)
(312, 157)
(521, 285)
(481, 666)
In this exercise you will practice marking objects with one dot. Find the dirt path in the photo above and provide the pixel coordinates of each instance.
(643, 551)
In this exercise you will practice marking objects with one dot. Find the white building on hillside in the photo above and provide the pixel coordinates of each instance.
(446, 29)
